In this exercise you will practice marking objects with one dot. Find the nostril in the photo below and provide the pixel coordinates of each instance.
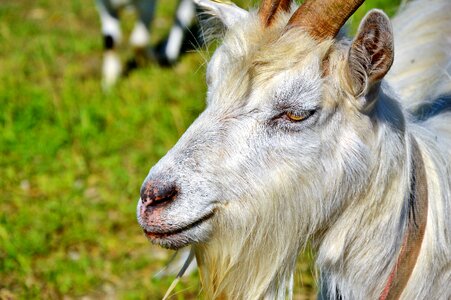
(155, 192)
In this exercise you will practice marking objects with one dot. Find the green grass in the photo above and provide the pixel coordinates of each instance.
(72, 159)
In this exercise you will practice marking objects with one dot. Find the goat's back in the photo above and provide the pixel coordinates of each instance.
(421, 71)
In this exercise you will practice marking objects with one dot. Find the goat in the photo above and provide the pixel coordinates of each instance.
(305, 139)
(140, 36)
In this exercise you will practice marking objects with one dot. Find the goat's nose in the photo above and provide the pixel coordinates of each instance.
(154, 192)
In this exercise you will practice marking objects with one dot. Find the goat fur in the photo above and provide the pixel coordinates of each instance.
(341, 184)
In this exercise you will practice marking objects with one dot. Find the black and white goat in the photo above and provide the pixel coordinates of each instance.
(139, 39)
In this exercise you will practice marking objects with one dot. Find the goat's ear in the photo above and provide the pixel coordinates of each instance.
(371, 53)
(223, 10)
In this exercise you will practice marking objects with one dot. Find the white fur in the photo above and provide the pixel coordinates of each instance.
(423, 58)
(339, 179)
(228, 13)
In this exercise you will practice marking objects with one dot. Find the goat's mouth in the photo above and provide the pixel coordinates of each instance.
(181, 237)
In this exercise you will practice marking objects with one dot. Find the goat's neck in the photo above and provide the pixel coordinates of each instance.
(358, 251)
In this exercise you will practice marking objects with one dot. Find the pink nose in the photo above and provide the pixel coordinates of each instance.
(154, 192)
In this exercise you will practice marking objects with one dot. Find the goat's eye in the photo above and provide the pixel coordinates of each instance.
(298, 117)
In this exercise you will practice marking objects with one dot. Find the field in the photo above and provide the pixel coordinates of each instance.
(72, 158)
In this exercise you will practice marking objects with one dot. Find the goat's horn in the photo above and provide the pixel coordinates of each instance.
(270, 8)
(323, 18)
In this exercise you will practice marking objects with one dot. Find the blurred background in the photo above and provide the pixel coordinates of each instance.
(72, 157)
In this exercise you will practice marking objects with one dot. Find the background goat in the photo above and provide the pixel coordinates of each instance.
(302, 140)
(140, 36)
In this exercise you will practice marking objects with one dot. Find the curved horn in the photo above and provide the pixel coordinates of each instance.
(323, 18)
(270, 8)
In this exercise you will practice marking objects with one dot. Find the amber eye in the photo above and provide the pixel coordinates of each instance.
(296, 117)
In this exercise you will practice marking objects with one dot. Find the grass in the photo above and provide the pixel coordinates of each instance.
(72, 158)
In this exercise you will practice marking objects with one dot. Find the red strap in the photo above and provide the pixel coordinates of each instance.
(410, 248)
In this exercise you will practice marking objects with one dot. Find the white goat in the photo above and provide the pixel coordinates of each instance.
(303, 140)
(140, 37)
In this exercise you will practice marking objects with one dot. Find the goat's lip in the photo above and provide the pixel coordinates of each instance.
(152, 235)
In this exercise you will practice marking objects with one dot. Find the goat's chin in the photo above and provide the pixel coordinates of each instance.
(196, 233)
